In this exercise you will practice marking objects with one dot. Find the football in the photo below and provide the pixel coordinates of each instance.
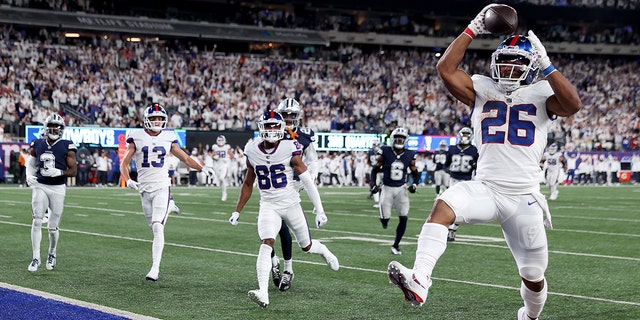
(501, 19)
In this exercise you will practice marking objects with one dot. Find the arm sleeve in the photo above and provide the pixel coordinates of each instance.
(311, 157)
(312, 191)
(31, 166)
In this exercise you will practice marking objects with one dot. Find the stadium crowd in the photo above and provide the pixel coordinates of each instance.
(107, 81)
(323, 18)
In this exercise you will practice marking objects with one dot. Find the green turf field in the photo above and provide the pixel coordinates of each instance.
(208, 265)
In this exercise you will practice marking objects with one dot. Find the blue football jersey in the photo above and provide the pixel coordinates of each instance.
(440, 159)
(461, 163)
(394, 168)
(305, 136)
(52, 157)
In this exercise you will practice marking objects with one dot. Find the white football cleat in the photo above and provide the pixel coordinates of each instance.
(224, 196)
(395, 250)
(285, 282)
(33, 266)
(262, 299)
(51, 262)
(332, 260)
(153, 275)
(554, 195)
(173, 208)
(414, 285)
(523, 316)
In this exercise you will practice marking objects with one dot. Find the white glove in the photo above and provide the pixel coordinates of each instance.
(477, 24)
(133, 184)
(548, 224)
(541, 53)
(235, 216)
(51, 172)
(32, 181)
(209, 172)
(321, 219)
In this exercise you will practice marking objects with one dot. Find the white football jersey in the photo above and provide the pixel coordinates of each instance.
(511, 134)
(151, 153)
(552, 161)
(221, 153)
(274, 174)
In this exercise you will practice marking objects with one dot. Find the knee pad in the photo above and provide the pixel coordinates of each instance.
(532, 273)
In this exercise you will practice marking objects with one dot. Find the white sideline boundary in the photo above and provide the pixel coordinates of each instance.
(88, 305)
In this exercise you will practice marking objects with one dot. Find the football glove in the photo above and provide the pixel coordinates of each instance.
(412, 188)
(375, 189)
(133, 184)
(51, 172)
(235, 216)
(544, 61)
(321, 219)
(32, 181)
(209, 172)
(477, 24)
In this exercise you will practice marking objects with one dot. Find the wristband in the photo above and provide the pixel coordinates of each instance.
(550, 69)
(469, 32)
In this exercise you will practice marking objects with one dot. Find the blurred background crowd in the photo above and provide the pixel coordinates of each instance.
(104, 79)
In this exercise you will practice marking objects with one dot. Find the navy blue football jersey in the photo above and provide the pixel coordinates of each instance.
(461, 163)
(440, 159)
(52, 157)
(395, 166)
(305, 136)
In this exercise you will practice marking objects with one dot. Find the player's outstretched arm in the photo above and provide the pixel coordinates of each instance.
(565, 101)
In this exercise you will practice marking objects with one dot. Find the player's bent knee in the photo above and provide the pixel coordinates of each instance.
(532, 274)
(442, 214)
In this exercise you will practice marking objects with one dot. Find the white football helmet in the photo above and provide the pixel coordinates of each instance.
(155, 110)
(271, 126)
(291, 112)
(399, 137)
(465, 135)
(53, 127)
(553, 148)
(376, 145)
(443, 145)
(221, 140)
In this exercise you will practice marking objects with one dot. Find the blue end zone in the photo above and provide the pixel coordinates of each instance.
(19, 305)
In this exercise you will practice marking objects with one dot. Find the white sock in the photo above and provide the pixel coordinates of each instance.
(318, 248)
(533, 301)
(431, 245)
(158, 244)
(54, 235)
(275, 260)
(36, 237)
(263, 266)
(288, 266)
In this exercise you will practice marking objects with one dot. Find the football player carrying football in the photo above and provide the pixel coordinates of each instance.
(511, 113)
